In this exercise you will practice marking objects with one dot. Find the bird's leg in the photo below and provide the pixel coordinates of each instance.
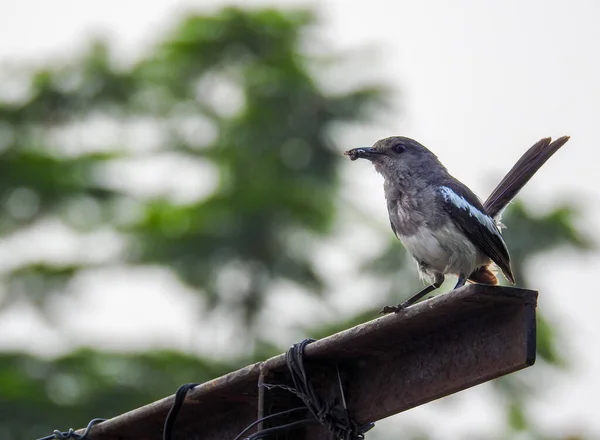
(439, 279)
(461, 281)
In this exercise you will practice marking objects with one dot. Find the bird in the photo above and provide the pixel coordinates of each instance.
(446, 228)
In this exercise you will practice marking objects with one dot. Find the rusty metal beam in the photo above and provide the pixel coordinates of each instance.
(393, 363)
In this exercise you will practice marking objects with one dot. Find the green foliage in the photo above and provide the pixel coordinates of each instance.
(530, 235)
(275, 163)
(232, 95)
(39, 395)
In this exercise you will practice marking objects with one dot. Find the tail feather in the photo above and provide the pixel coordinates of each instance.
(521, 173)
(509, 187)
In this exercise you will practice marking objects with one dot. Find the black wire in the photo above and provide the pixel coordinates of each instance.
(325, 412)
(168, 427)
(71, 432)
(271, 416)
(304, 390)
(275, 429)
(172, 415)
(335, 418)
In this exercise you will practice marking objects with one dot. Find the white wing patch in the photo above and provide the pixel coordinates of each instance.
(458, 201)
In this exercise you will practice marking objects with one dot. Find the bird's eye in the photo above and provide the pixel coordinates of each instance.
(398, 148)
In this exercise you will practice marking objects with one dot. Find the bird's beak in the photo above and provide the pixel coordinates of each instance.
(361, 153)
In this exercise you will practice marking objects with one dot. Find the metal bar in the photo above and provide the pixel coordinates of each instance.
(393, 363)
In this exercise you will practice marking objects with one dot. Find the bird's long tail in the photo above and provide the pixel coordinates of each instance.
(508, 188)
(520, 174)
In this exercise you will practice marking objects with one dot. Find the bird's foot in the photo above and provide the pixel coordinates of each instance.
(390, 309)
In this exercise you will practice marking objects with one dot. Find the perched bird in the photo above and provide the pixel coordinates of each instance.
(443, 225)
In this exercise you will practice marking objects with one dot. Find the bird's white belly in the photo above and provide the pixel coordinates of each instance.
(444, 250)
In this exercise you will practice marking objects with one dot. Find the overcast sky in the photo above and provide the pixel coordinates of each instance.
(478, 83)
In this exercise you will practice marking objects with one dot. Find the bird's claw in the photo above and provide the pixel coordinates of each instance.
(390, 309)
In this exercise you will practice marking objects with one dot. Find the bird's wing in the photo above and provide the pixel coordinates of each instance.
(470, 217)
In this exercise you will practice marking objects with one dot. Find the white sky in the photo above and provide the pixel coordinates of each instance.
(478, 81)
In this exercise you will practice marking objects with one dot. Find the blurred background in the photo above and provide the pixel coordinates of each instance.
(175, 204)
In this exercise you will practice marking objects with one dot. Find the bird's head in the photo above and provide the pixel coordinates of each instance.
(398, 157)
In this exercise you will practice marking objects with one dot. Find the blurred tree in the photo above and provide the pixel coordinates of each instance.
(232, 96)
(229, 92)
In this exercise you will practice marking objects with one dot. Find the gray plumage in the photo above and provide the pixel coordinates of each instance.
(439, 220)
